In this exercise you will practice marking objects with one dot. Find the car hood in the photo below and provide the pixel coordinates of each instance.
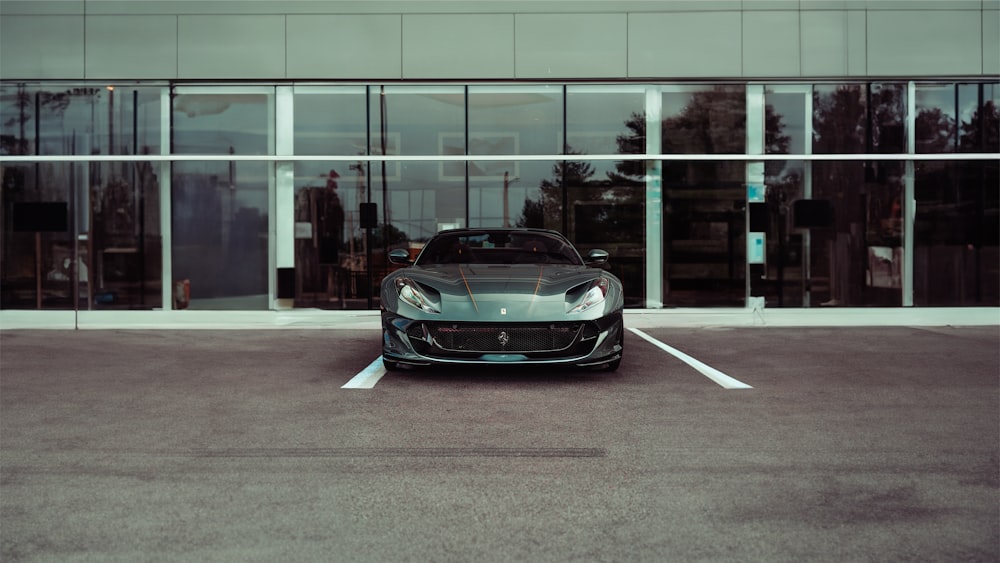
(499, 292)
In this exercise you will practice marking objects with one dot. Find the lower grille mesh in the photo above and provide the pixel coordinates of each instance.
(504, 339)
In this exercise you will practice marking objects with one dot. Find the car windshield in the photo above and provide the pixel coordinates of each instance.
(498, 247)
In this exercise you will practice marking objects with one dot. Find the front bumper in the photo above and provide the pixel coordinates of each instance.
(425, 342)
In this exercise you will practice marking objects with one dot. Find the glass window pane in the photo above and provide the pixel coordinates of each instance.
(528, 196)
(220, 233)
(856, 258)
(839, 119)
(222, 124)
(18, 119)
(608, 211)
(603, 121)
(781, 280)
(704, 120)
(330, 245)
(784, 122)
(125, 238)
(79, 120)
(513, 120)
(979, 130)
(957, 233)
(887, 119)
(935, 122)
(220, 209)
(704, 221)
(419, 120)
(332, 123)
(41, 267)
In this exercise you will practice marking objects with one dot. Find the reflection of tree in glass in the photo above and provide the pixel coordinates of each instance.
(935, 131)
(839, 120)
(982, 132)
(887, 107)
(713, 122)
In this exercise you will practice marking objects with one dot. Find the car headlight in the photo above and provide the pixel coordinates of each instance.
(413, 294)
(593, 294)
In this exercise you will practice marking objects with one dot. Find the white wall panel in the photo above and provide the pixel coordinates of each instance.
(41, 7)
(923, 4)
(319, 7)
(458, 46)
(991, 42)
(695, 44)
(857, 43)
(223, 47)
(347, 46)
(571, 45)
(771, 44)
(133, 47)
(752, 5)
(903, 43)
(41, 47)
(824, 43)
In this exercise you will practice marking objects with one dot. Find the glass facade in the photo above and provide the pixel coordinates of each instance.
(206, 197)
(80, 234)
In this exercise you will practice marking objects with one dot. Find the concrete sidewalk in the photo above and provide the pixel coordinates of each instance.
(360, 320)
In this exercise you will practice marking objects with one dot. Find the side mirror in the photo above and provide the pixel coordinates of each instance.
(596, 257)
(400, 256)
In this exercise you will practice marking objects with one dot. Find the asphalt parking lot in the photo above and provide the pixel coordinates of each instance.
(838, 444)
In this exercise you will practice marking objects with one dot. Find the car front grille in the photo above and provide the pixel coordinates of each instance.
(484, 339)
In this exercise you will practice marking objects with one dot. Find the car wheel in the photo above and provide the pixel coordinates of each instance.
(390, 365)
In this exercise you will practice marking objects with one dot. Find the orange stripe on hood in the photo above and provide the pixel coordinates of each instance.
(467, 288)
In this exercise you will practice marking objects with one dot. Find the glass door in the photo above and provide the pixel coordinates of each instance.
(221, 208)
(703, 200)
(780, 274)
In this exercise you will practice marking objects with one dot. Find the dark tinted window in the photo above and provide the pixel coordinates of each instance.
(498, 247)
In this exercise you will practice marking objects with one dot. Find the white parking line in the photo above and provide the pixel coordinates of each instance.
(368, 377)
(708, 371)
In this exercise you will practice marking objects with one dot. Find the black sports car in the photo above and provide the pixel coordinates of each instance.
(492, 296)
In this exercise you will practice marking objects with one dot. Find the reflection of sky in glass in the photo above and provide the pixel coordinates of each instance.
(418, 115)
(964, 107)
(792, 109)
(212, 123)
(525, 119)
(941, 97)
(594, 120)
(83, 120)
(330, 123)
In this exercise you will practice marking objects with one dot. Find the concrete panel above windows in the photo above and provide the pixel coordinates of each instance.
(927, 42)
(665, 44)
(755, 5)
(857, 43)
(824, 43)
(991, 41)
(771, 44)
(132, 47)
(42, 7)
(923, 4)
(223, 47)
(458, 46)
(319, 7)
(41, 47)
(571, 45)
(347, 46)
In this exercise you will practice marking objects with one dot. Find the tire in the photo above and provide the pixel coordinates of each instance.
(612, 365)
(390, 365)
